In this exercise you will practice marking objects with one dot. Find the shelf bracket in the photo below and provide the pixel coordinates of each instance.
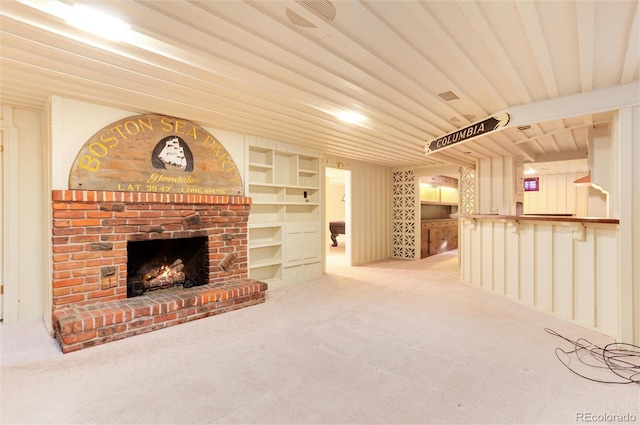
(470, 223)
(578, 231)
(512, 225)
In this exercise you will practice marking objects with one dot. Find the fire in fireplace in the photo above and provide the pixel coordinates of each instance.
(162, 263)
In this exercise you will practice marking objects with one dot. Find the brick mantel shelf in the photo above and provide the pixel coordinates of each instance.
(91, 230)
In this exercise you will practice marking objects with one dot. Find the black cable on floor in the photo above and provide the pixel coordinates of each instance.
(620, 359)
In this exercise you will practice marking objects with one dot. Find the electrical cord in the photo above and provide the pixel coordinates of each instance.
(618, 358)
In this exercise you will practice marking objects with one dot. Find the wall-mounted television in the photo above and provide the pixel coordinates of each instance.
(531, 184)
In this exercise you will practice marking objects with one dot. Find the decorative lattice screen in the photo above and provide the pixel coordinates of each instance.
(404, 214)
(467, 186)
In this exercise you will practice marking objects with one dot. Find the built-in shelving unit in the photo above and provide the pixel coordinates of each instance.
(284, 224)
(439, 190)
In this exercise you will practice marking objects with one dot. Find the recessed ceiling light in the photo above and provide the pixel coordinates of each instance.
(529, 171)
(351, 116)
(524, 127)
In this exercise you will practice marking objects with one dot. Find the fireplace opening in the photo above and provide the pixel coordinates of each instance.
(162, 263)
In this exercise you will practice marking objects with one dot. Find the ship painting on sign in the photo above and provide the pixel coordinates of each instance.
(172, 153)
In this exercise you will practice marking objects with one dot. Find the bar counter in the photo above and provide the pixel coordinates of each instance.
(532, 217)
(563, 265)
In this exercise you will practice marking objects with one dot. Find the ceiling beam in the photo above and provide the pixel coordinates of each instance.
(562, 156)
(602, 100)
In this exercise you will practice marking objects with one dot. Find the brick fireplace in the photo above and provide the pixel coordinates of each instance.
(92, 231)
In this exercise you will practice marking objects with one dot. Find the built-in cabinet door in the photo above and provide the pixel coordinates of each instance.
(302, 243)
(302, 257)
(452, 237)
(436, 240)
(293, 243)
(424, 241)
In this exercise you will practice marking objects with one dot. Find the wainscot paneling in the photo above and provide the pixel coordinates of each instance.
(568, 269)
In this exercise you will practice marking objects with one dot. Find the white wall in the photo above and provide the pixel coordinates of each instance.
(498, 185)
(558, 195)
(626, 207)
(75, 122)
(28, 282)
(371, 206)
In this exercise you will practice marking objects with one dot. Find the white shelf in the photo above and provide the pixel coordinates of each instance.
(308, 172)
(284, 185)
(260, 166)
(264, 263)
(256, 245)
(265, 225)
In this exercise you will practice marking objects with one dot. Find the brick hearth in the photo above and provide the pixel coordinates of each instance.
(91, 230)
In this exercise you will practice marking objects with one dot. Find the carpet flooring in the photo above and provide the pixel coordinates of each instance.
(394, 342)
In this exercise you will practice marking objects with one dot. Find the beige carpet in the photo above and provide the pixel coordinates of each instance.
(392, 342)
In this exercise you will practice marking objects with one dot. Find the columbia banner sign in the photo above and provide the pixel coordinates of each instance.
(468, 133)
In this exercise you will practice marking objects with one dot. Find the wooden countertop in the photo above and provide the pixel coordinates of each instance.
(527, 217)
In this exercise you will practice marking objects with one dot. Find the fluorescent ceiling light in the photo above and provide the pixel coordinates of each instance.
(351, 117)
(97, 22)
(529, 171)
(54, 8)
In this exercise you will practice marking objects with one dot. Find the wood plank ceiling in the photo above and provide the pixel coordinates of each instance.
(283, 70)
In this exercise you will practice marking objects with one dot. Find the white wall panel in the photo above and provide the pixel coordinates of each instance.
(498, 267)
(26, 293)
(563, 268)
(606, 279)
(476, 255)
(584, 272)
(496, 185)
(563, 272)
(464, 251)
(371, 191)
(512, 263)
(543, 266)
(557, 195)
(486, 246)
(626, 148)
(527, 265)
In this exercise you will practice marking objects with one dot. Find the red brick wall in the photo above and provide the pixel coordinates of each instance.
(91, 230)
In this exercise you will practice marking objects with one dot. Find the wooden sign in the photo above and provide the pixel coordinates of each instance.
(468, 133)
(155, 153)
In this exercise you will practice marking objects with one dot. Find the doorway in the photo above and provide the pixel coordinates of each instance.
(337, 208)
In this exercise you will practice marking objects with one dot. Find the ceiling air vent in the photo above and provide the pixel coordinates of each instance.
(323, 8)
(298, 20)
(448, 96)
